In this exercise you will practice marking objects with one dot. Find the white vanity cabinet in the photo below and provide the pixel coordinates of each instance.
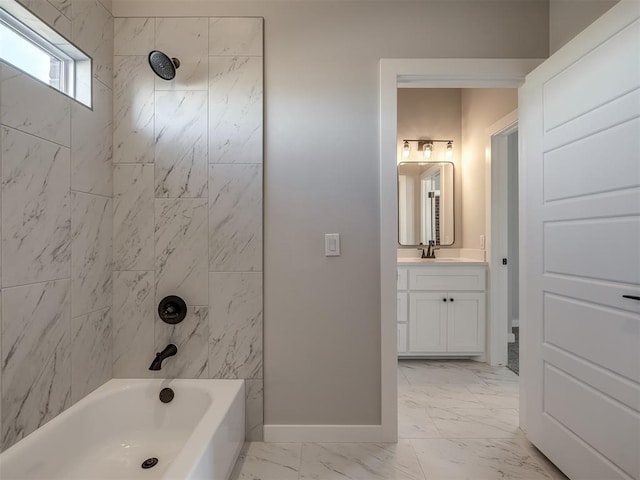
(441, 310)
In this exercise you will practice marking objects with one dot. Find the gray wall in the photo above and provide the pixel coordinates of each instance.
(322, 315)
(567, 18)
(55, 335)
(188, 200)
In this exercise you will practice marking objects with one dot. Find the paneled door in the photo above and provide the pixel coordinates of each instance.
(580, 251)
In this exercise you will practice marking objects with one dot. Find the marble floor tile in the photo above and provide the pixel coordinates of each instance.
(268, 461)
(359, 461)
(498, 376)
(426, 373)
(440, 396)
(477, 459)
(496, 396)
(415, 423)
(475, 422)
(402, 380)
(551, 470)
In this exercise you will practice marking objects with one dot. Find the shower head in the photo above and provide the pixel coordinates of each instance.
(162, 65)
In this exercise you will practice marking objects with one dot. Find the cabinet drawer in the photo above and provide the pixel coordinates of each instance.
(401, 278)
(447, 278)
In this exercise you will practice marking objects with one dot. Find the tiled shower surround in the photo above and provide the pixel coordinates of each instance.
(56, 326)
(157, 190)
(188, 200)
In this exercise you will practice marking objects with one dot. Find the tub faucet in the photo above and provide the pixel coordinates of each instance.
(169, 351)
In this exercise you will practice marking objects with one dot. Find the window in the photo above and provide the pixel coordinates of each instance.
(43, 54)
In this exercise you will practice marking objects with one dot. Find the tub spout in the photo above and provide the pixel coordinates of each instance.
(169, 351)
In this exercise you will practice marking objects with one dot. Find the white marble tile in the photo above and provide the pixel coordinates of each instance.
(32, 107)
(133, 110)
(50, 14)
(420, 373)
(439, 396)
(91, 253)
(133, 220)
(475, 422)
(481, 459)
(181, 144)
(191, 336)
(64, 6)
(133, 36)
(254, 410)
(181, 249)
(415, 423)
(235, 218)
(496, 396)
(268, 461)
(187, 40)
(235, 36)
(550, 469)
(134, 311)
(359, 461)
(91, 352)
(107, 4)
(36, 375)
(92, 144)
(92, 27)
(36, 225)
(235, 319)
(498, 376)
(235, 110)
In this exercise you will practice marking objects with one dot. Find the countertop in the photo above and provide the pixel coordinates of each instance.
(456, 261)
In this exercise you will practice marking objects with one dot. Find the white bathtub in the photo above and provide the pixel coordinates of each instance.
(109, 433)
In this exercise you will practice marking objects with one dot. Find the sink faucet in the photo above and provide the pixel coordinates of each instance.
(431, 250)
(169, 351)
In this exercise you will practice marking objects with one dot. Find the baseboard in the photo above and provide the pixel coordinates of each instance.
(325, 433)
(515, 322)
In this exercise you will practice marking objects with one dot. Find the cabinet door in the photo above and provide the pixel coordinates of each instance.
(402, 338)
(402, 307)
(466, 322)
(427, 322)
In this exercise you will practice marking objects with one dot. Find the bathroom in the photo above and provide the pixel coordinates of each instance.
(444, 140)
(159, 190)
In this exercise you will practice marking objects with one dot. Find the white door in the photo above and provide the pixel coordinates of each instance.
(465, 322)
(427, 322)
(580, 251)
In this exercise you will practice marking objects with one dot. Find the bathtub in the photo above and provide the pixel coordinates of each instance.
(112, 431)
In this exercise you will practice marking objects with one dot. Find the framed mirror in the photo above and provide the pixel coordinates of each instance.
(425, 203)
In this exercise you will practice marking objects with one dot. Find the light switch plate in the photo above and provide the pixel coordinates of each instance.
(331, 244)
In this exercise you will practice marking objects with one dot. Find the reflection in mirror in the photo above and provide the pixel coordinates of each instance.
(425, 203)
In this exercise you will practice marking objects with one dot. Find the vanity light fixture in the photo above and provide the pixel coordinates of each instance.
(449, 152)
(427, 149)
(426, 146)
(406, 149)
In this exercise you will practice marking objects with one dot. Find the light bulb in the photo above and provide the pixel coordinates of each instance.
(427, 149)
(449, 153)
(406, 149)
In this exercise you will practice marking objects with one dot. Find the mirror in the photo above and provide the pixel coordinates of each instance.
(425, 203)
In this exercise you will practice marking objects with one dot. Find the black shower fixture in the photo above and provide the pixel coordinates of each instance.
(162, 65)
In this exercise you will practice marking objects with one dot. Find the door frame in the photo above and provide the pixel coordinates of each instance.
(496, 226)
(425, 73)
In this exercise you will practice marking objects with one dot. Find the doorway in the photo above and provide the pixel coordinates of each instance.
(442, 73)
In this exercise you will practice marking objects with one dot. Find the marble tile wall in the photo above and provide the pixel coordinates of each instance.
(56, 223)
(188, 200)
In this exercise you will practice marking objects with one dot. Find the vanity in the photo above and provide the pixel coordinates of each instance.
(441, 307)
(441, 302)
